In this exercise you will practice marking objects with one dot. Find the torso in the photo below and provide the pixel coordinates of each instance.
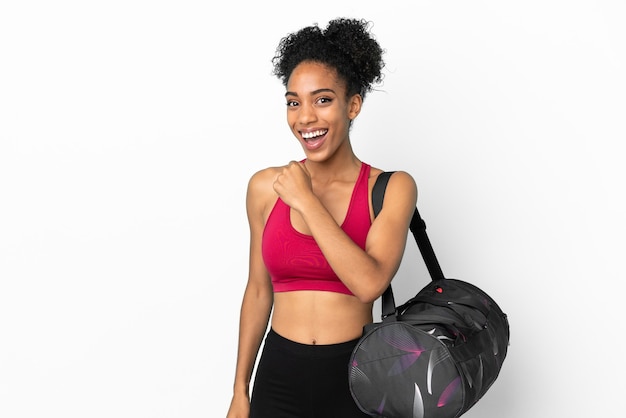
(314, 317)
(321, 317)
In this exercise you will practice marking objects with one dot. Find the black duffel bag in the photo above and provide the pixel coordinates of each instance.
(437, 354)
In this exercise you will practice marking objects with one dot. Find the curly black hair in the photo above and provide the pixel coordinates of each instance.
(345, 45)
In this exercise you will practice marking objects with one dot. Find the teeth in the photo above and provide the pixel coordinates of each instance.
(310, 135)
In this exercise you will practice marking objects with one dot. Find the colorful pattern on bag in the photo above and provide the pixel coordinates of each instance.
(436, 360)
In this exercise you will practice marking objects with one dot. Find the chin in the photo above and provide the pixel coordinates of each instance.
(316, 157)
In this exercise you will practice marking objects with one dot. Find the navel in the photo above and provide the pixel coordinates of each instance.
(314, 342)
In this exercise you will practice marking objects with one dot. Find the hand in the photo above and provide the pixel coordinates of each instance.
(293, 185)
(239, 407)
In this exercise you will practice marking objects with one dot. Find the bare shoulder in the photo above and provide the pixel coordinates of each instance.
(261, 194)
(400, 194)
(403, 181)
(400, 182)
(263, 179)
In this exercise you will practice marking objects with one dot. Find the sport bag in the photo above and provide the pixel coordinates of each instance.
(435, 355)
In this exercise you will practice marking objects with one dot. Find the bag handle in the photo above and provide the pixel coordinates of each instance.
(418, 229)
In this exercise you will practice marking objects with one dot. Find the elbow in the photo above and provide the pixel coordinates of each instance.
(369, 285)
(369, 294)
(367, 298)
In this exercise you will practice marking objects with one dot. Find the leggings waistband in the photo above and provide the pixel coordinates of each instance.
(277, 341)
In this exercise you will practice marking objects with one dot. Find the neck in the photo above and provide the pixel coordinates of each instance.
(342, 164)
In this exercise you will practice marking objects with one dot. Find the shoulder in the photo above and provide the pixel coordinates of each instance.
(399, 181)
(403, 181)
(260, 193)
(263, 179)
(401, 190)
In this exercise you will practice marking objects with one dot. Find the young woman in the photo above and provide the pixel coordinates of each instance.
(318, 258)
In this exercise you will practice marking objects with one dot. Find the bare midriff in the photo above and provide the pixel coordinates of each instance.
(318, 317)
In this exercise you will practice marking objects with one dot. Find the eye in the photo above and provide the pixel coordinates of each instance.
(292, 103)
(324, 100)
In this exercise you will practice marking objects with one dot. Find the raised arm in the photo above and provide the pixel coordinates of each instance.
(366, 273)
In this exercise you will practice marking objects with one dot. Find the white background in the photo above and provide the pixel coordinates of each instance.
(129, 130)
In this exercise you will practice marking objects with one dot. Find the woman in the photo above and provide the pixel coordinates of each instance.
(318, 259)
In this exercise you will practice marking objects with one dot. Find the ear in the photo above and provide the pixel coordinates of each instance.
(354, 106)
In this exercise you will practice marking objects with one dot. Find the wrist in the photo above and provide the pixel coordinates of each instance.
(309, 205)
(241, 389)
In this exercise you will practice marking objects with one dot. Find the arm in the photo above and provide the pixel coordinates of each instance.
(366, 273)
(257, 300)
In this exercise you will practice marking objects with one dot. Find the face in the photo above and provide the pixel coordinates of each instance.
(318, 112)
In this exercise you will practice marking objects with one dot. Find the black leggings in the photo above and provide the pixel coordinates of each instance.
(296, 380)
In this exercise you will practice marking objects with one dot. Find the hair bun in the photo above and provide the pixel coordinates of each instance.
(345, 44)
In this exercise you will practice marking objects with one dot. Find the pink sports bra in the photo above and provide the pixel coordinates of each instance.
(295, 261)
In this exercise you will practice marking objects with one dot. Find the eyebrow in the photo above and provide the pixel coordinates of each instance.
(313, 93)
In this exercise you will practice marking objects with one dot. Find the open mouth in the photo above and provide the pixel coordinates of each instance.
(314, 139)
(313, 136)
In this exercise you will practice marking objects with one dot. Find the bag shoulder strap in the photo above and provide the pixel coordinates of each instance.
(418, 229)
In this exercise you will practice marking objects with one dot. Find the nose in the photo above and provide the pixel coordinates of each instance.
(306, 114)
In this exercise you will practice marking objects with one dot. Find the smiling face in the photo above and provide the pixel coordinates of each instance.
(318, 112)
